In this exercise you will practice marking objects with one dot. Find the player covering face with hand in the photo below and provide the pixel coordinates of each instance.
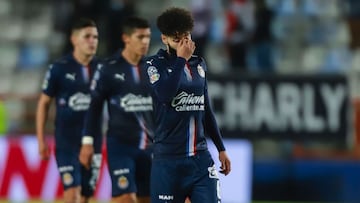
(182, 165)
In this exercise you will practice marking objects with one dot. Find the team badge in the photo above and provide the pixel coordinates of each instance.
(123, 182)
(153, 74)
(67, 179)
(201, 71)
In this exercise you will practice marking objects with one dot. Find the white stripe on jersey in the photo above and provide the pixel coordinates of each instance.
(143, 140)
(85, 73)
(143, 136)
(187, 72)
(136, 74)
(192, 137)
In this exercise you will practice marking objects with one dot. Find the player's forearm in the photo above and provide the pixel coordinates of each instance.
(93, 119)
(41, 117)
(211, 127)
(214, 133)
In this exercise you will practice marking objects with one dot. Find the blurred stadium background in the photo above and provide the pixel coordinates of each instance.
(284, 82)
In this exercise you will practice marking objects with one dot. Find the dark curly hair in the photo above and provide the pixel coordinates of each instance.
(175, 21)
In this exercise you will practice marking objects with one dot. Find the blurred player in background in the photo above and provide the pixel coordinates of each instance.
(123, 84)
(68, 82)
(182, 165)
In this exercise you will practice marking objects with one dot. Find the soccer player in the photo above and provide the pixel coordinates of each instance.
(68, 82)
(182, 165)
(123, 84)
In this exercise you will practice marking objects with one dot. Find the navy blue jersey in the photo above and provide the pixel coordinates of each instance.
(69, 83)
(125, 88)
(182, 111)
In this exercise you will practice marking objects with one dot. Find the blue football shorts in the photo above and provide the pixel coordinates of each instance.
(129, 169)
(175, 179)
(73, 174)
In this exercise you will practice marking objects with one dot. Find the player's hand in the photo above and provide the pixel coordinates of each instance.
(186, 48)
(86, 154)
(225, 163)
(44, 150)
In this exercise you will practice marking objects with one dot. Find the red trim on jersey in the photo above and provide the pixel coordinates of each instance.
(189, 68)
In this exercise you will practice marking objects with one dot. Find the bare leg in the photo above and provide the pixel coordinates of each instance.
(72, 195)
(143, 199)
(84, 199)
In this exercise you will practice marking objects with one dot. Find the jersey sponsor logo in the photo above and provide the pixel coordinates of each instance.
(70, 76)
(188, 102)
(79, 101)
(166, 197)
(153, 74)
(136, 103)
(123, 182)
(212, 172)
(201, 71)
